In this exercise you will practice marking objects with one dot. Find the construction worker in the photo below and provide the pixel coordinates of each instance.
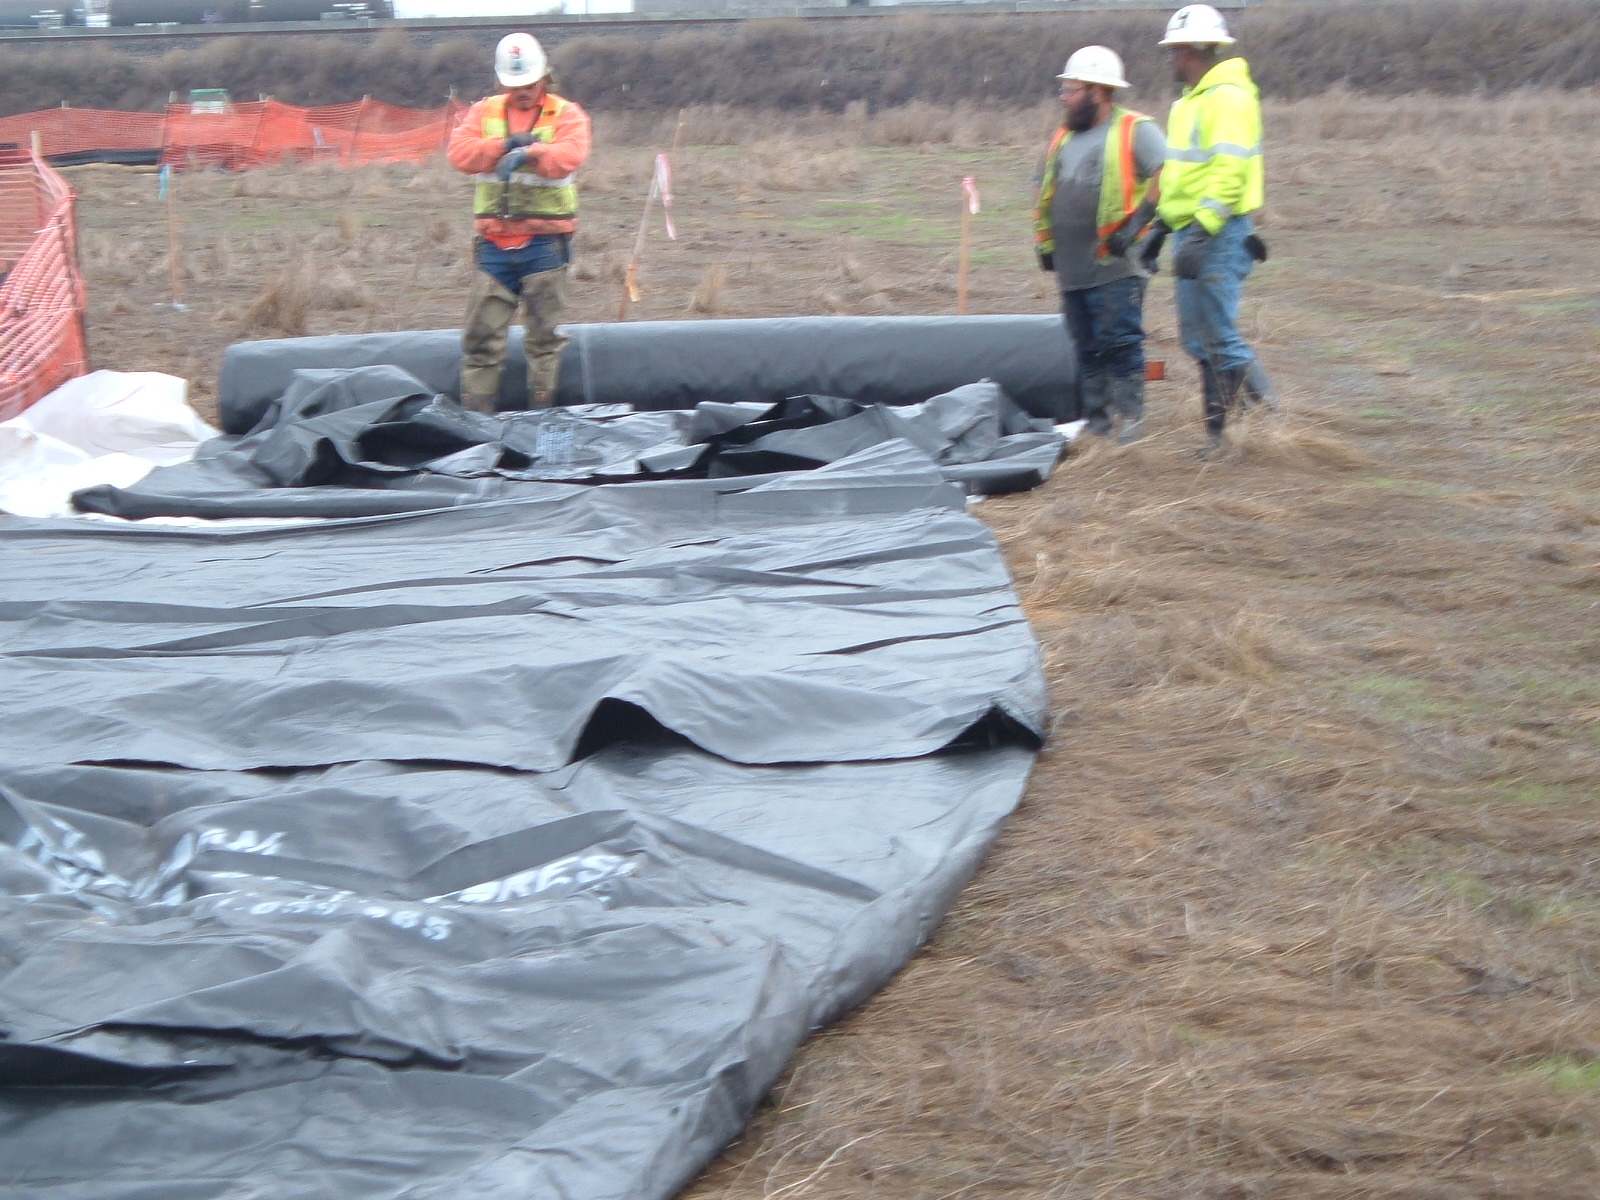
(1096, 194)
(1213, 180)
(522, 147)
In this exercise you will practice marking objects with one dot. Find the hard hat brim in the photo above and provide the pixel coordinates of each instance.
(513, 81)
(1224, 40)
(1110, 83)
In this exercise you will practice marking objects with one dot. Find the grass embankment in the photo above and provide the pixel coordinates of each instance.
(1441, 46)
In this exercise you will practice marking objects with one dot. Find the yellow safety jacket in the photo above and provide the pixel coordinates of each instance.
(1120, 188)
(1214, 169)
(528, 194)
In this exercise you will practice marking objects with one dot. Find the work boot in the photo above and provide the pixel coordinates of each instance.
(1258, 387)
(1232, 382)
(1216, 411)
(478, 404)
(1096, 390)
(1127, 399)
(1223, 391)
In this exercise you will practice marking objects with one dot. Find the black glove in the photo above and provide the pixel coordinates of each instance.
(1121, 240)
(1047, 262)
(519, 139)
(1150, 249)
(1192, 254)
(1257, 247)
(509, 162)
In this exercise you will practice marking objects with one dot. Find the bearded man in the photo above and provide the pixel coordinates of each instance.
(1097, 193)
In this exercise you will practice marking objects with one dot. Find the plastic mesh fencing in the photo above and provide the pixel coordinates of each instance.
(249, 135)
(66, 132)
(42, 298)
(243, 136)
(41, 290)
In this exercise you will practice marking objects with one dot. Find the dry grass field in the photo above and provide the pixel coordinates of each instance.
(1304, 899)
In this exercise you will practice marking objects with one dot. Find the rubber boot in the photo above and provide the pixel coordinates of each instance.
(1127, 398)
(544, 300)
(1258, 387)
(1231, 382)
(1216, 411)
(478, 404)
(1096, 390)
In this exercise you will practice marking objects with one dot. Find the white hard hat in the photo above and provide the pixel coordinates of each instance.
(1095, 64)
(519, 60)
(1197, 25)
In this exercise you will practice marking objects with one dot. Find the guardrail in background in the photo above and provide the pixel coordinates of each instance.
(42, 297)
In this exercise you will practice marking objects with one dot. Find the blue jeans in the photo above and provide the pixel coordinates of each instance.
(1106, 324)
(508, 267)
(1208, 307)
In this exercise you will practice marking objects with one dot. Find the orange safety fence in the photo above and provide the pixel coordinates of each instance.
(68, 132)
(42, 296)
(240, 136)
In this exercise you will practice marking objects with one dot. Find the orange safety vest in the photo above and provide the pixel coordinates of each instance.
(527, 194)
(1121, 190)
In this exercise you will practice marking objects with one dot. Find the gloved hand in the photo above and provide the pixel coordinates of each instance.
(1150, 249)
(1192, 254)
(1257, 247)
(520, 139)
(1122, 238)
(509, 163)
(1047, 262)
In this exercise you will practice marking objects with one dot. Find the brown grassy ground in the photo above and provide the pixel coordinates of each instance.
(1304, 900)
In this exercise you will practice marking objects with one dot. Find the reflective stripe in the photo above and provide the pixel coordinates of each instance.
(1196, 155)
(525, 179)
(1225, 211)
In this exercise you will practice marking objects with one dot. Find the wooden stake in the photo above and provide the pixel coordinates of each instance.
(630, 277)
(38, 145)
(174, 248)
(966, 251)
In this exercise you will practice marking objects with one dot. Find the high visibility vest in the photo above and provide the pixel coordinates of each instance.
(528, 194)
(1214, 169)
(1120, 188)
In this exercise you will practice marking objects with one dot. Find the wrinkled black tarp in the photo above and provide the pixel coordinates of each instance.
(499, 851)
(678, 364)
(375, 440)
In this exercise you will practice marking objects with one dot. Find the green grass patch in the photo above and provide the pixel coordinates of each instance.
(1569, 1074)
(1408, 699)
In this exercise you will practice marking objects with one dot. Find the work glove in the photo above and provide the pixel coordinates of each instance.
(1257, 247)
(509, 163)
(520, 139)
(1047, 262)
(1121, 240)
(1192, 254)
(1150, 248)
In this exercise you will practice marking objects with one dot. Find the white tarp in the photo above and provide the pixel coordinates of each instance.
(107, 427)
